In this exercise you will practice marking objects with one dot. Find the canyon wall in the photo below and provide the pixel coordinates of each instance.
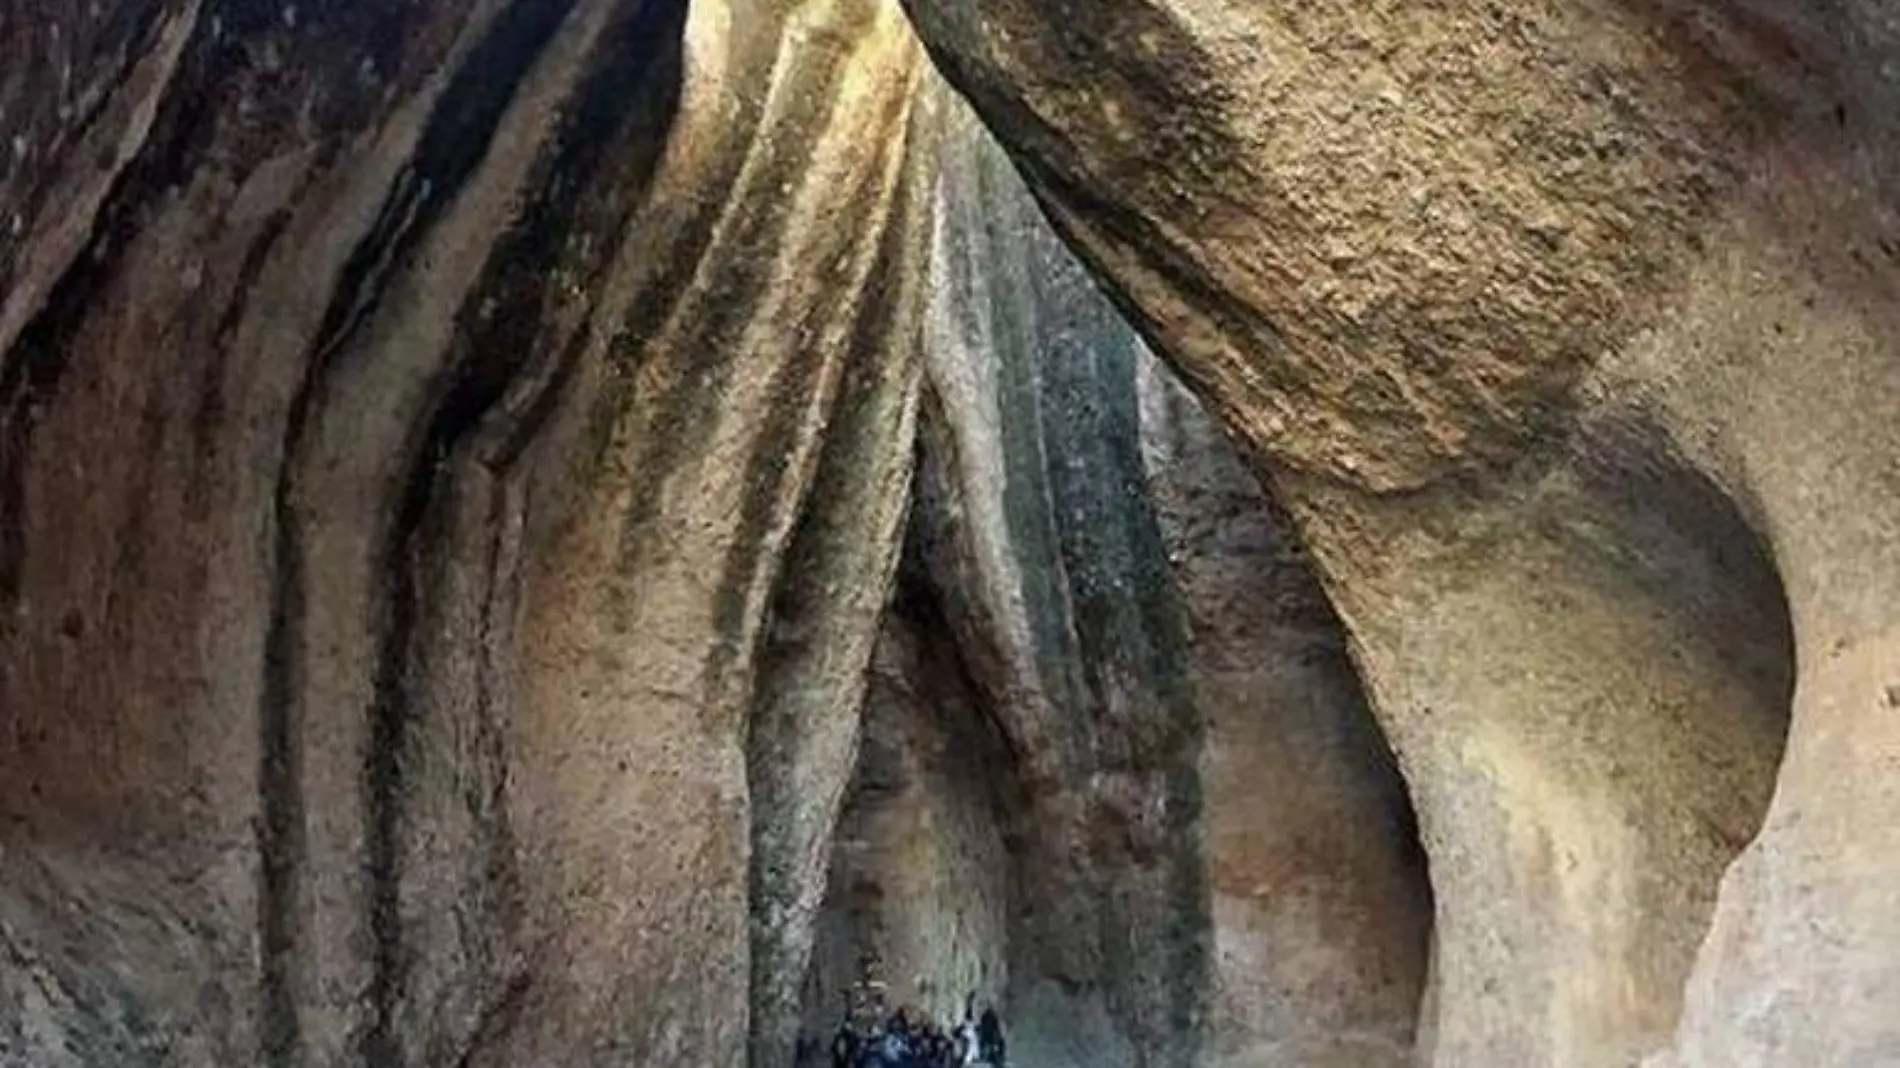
(454, 458)
(1322, 906)
(571, 531)
(1533, 316)
(1108, 660)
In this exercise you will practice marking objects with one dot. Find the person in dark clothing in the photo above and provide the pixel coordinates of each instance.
(989, 1039)
(932, 1048)
(844, 1048)
(894, 1050)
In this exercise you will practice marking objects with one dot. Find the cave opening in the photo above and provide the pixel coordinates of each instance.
(1317, 910)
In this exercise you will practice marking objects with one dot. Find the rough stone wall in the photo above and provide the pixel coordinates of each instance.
(1046, 430)
(1322, 908)
(1039, 535)
(695, 640)
(921, 880)
(1561, 329)
(1791, 326)
(452, 458)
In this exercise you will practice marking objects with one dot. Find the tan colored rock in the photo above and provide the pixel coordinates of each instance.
(453, 459)
(1322, 909)
(1563, 330)
(919, 895)
(451, 465)
(1046, 556)
(681, 761)
(1780, 375)
(1381, 240)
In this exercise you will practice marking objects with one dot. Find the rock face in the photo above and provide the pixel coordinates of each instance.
(567, 531)
(1511, 303)
(1038, 534)
(922, 883)
(1322, 909)
(1093, 575)
(452, 458)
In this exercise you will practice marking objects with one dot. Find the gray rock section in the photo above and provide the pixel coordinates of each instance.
(1038, 531)
(1091, 572)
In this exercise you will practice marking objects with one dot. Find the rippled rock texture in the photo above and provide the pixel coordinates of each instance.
(453, 460)
(569, 531)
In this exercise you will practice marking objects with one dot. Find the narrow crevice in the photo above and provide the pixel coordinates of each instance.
(923, 696)
(917, 599)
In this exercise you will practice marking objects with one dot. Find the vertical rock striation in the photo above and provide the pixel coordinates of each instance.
(455, 460)
(452, 459)
(1038, 532)
(1037, 692)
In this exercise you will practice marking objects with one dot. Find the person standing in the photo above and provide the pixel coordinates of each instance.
(989, 1036)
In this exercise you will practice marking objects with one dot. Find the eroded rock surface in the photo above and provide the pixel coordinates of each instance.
(454, 459)
(410, 418)
(1009, 704)
(1322, 910)
(921, 884)
(1511, 301)
(1039, 535)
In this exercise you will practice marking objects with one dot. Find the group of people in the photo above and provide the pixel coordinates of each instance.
(908, 1038)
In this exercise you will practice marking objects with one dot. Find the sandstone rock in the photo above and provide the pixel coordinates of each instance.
(920, 888)
(1534, 315)
(451, 461)
(1038, 534)
(1322, 910)
(1008, 711)
(454, 460)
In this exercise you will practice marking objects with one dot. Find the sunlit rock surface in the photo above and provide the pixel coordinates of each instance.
(1565, 332)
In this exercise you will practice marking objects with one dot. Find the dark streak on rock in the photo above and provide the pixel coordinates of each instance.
(690, 402)
(132, 28)
(451, 148)
(629, 100)
(766, 468)
(632, 101)
(210, 411)
(281, 844)
(497, 1020)
(30, 372)
(452, 145)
